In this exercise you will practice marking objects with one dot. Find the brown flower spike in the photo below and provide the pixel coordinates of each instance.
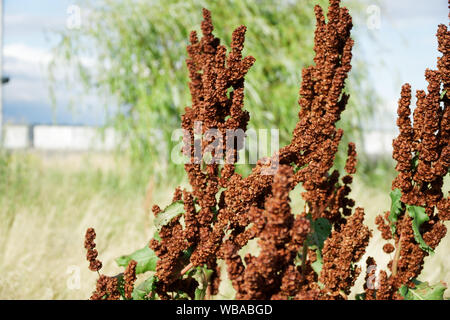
(129, 277)
(422, 152)
(92, 253)
(303, 255)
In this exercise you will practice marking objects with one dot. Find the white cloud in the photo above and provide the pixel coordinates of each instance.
(27, 66)
(26, 90)
(31, 56)
(24, 24)
(26, 54)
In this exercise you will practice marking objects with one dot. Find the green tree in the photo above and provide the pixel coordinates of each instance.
(139, 49)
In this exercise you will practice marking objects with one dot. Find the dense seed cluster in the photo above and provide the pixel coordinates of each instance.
(107, 288)
(341, 250)
(315, 138)
(92, 253)
(217, 90)
(422, 152)
(129, 277)
(272, 273)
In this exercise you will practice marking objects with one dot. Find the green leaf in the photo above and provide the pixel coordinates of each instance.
(142, 291)
(419, 216)
(403, 291)
(443, 93)
(164, 217)
(120, 284)
(360, 296)
(196, 205)
(200, 293)
(415, 161)
(180, 295)
(146, 260)
(202, 275)
(187, 253)
(396, 207)
(317, 265)
(321, 230)
(423, 291)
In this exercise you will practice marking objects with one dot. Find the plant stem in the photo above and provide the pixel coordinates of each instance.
(304, 257)
(186, 269)
(208, 292)
(397, 252)
(208, 284)
(343, 295)
(396, 257)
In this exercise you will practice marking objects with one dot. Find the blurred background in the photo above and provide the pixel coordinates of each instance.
(93, 90)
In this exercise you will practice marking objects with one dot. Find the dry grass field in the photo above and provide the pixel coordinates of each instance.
(48, 201)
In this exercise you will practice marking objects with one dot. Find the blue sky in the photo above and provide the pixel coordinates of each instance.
(402, 48)
(398, 52)
(29, 27)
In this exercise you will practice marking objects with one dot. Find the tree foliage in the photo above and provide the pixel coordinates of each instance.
(136, 52)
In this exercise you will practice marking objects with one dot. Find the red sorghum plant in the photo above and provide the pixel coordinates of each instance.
(311, 254)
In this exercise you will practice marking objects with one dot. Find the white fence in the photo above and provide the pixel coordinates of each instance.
(58, 138)
(16, 137)
(82, 138)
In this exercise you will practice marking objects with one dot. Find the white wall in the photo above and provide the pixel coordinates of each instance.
(80, 138)
(16, 136)
(63, 138)
(72, 138)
